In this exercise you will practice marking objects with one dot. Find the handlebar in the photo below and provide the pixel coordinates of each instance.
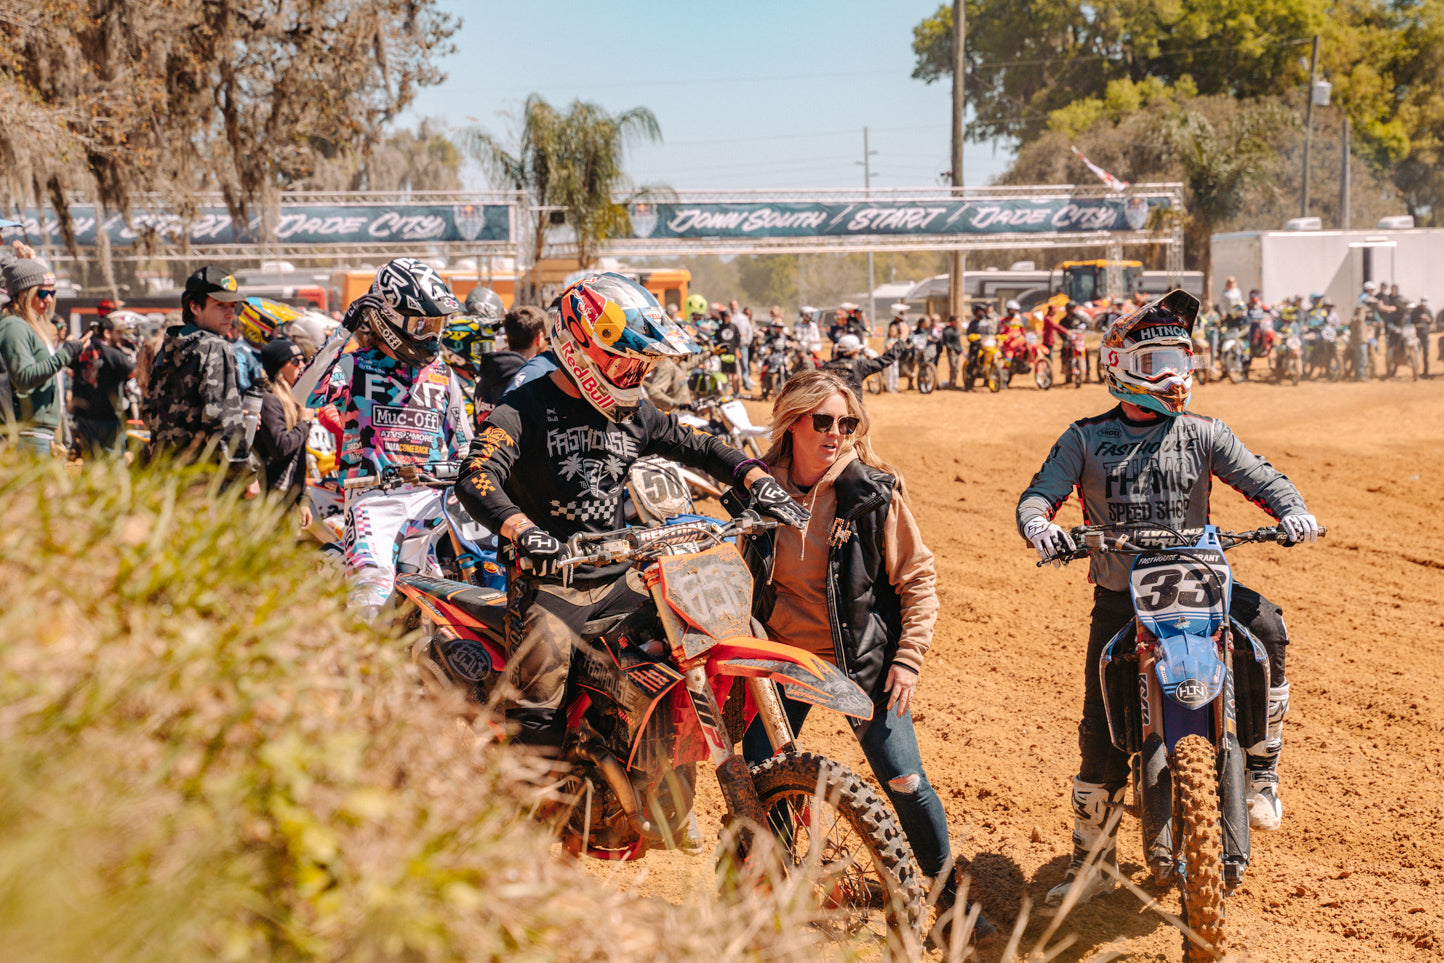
(1124, 540)
(642, 544)
(437, 474)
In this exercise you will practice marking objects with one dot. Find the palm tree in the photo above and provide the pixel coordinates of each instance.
(1220, 166)
(571, 161)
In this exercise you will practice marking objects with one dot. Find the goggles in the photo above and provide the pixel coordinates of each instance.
(424, 328)
(619, 370)
(1153, 363)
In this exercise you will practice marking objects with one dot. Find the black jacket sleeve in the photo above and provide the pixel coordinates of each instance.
(275, 443)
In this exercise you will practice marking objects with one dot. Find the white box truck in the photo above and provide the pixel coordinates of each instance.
(1335, 263)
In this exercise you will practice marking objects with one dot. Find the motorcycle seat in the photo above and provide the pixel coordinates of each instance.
(486, 605)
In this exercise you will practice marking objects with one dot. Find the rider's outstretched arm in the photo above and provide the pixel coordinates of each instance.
(1062, 471)
(1252, 476)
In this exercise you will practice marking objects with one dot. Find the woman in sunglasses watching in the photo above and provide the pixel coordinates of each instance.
(34, 404)
(857, 587)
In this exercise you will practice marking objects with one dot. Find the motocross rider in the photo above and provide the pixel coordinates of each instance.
(398, 404)
(551, 460)
(1150, 461)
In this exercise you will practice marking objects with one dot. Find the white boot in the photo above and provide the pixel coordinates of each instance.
(1095, 845)
(1265, 810)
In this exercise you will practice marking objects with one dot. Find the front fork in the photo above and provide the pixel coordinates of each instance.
(1152, 777)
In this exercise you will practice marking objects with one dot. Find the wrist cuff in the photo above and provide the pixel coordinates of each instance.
(740, 472)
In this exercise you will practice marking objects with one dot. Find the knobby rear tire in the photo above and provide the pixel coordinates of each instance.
(1199, 846)
(927, 377)
(869, 880)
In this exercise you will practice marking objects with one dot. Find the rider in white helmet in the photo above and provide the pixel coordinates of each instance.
(1151, 461)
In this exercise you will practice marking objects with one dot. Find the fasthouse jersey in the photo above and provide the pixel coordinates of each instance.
(392, 413)
(564, 464)
(1158, 472)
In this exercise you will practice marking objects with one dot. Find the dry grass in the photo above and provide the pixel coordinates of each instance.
(202, 757)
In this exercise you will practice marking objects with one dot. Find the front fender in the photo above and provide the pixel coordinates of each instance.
(806, 677)
(1189, 670)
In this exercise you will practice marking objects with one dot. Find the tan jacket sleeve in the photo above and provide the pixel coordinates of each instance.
(910, 570)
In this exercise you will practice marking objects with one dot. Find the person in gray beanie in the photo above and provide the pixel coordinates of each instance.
(33, 356)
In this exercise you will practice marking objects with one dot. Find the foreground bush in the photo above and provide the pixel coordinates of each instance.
(202, 758)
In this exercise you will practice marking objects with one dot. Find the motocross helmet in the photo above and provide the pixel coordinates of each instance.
(607, 332)
(466, 339)
(696, 306)
(258, 319)
(1147, 355)
(420, 303)
(485, 305)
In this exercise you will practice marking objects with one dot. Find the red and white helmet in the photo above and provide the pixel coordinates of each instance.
(1147, 355)
(607, 332)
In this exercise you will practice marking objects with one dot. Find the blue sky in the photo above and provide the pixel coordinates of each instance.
(748, 94)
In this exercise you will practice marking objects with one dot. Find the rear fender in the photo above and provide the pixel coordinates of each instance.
(806, 677)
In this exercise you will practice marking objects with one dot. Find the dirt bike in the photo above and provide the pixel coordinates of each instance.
(1185, 686)
(728, 420)
(1234, 353)
(644, 705)
(1288, 358)
(774, 369)
(918, 363)
(1404, 351)
(991, 363)
(1029, 356)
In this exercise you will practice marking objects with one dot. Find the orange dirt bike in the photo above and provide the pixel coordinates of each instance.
(644, 704)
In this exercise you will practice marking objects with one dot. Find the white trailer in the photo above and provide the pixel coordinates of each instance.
(1334, 263)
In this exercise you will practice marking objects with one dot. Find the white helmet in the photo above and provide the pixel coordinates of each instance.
(849, 344)
(1147, 355)
(1012, 306)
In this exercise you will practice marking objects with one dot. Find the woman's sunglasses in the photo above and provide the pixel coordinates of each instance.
(39, 293)
(846, 425)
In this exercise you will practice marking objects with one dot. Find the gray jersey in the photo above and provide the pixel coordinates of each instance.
(1158, 472)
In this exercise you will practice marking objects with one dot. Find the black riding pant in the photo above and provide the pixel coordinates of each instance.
(1100, 761)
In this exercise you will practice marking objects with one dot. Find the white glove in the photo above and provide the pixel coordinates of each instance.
(1049, 539)
(1300, 528)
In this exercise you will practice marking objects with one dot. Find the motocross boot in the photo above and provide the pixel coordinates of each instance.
(1265, 811)
(1095, 844)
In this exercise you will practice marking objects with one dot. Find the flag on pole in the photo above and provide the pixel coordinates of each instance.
(1107, 178)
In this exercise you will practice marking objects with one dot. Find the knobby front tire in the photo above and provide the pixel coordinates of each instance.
(1199, 846)
(824, 816)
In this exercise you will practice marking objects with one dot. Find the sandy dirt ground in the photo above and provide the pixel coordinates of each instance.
(1356, 873)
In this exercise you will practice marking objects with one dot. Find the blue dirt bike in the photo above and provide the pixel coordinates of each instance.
(1185, 686)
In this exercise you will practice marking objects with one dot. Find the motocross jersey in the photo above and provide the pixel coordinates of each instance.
(392, 413)
(564, 464)
(1157, 472)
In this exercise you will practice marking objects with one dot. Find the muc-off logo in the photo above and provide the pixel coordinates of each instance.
(1191, 693)
(586, 381)
(410, 419)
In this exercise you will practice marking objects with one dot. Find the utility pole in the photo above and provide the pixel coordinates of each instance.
(867, 184)
(958, 262)
(1309, 123)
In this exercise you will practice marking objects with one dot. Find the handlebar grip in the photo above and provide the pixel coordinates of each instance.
(363, 481)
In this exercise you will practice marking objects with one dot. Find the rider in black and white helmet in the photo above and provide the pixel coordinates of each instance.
(398, 404)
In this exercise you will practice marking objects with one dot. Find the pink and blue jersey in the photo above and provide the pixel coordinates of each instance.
(392, 413)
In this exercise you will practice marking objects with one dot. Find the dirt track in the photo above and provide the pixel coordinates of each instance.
(1357, 871)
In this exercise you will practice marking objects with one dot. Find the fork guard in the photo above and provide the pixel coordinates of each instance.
(806, 677)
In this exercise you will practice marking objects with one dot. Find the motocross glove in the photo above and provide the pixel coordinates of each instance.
(769, 498)
(356, 311)
(541, 548)
(1049, 539)
(1300, 528)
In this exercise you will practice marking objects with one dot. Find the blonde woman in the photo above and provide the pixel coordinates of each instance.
(284, 426)
(857, 587)
(34, 357)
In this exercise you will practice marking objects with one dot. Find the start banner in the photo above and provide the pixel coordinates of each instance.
(896, 218)
(295, 224)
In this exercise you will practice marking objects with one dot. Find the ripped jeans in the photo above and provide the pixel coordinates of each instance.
(891, 748)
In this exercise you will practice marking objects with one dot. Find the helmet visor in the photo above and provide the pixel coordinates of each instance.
(624, 372)
(1155, 363)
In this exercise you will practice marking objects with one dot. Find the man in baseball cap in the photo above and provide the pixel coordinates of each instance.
(215, 282)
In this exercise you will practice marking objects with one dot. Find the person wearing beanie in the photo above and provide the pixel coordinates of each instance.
(284, 427)
(193, 394)
(33, 403)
